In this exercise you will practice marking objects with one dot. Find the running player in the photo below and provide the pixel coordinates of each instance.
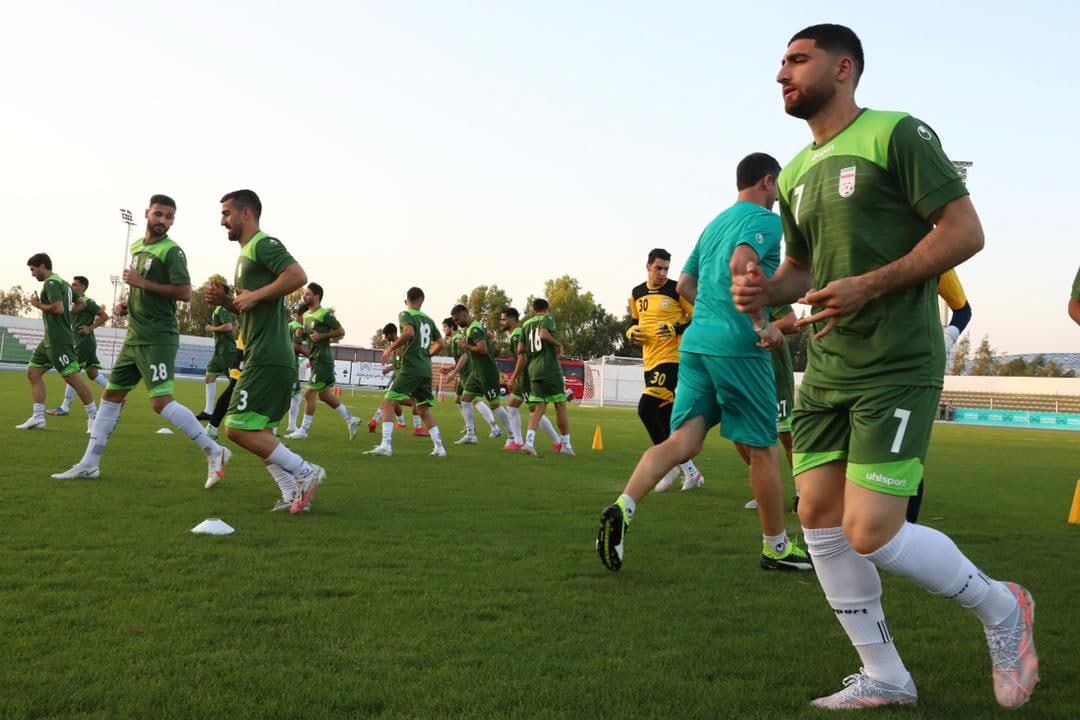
(546, 383)
(222, 326)
(158, 278)
(390, 334)
(296, 335)
(873, 213)
(86, 317)
(517, 385)
(482, 381)
(460, 371)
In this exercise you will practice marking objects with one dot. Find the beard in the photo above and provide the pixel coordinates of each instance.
(157, 230)
(811, 100)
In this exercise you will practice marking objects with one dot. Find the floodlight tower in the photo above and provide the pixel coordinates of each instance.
(117, 280)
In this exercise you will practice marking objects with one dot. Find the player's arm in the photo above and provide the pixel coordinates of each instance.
(332, 334)
(688, 315)
(436, 346)
(223, 327)
(291, 278)
(408, 332)
(547, 337)
(100, 318)
(479, 347)
(519, 363)
(687, 286)
(56, 307)
(744, 259)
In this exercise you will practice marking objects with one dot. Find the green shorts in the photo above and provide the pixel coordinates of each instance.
(86, 352)
(459, 388)
(63, 358)
(521, 385)
(883, 433)
(323, 376)
(547, 390)
(784, 406)
(153, 364)
(407, 386)
(261, 397)
(736, 393)
(219, 364)
(484, 386)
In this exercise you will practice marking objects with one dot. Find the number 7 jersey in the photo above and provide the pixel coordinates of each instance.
(856, 203)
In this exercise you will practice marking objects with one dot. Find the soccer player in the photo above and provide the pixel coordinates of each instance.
(659, 316)
(1074, 299)
(265, 274)
(223, 327)
(320, 327)
(57, 347)
(86, 317)
(482, 382)
(158, 277)
(517, 384)
(296, 335)
(546, 383)
(420, 339)
(725, 373)
(873, 213)
(390, 334)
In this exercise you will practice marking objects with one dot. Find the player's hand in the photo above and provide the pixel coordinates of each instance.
(838, 299)
(748, 291)
(771, 337)
(134, 279)
(387, 354)
(636, 335)
(315, 336)
(34, 300)
(121, 309)
(244, 301)
(558, 350)
(85, 329)
(215, 295)
(665, 330)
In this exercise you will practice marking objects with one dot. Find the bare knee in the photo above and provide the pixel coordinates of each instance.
(817, 510)
(160, 403)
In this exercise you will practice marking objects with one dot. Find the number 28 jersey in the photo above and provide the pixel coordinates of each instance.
(416, 360)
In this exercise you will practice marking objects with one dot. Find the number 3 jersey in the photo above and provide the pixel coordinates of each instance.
(265, 327)
(856, 203)
(416, 360)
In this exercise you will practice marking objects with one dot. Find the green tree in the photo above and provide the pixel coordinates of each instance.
(486, 303)
(194, 316)
(585, 328)
(623, 346)
(378, 341)
(961, 352)
(984, 362)
(15, 301)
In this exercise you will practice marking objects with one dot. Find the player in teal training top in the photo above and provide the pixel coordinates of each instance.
(725, 370)
(86, 317)
(57, 347)
(546, 382)
(874, 212)
(157, 278)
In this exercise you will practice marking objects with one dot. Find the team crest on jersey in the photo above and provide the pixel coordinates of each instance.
(147, 264)
(664, 303)
(847, 182)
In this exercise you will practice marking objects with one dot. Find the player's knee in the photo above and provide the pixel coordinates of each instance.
(160, 403)
(816, 511)
(867, 532)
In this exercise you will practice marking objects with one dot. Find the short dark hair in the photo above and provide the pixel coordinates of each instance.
(539, 305)
(660, 253)
(414, 294)
(165, 200)
(40, 259)
(458, 309)
(753, 168)
(389, 329)
(449, 322)
(511, 312)
(316, 288)
(302, 308)
(835, 39)
(82, 279)
(244, 199)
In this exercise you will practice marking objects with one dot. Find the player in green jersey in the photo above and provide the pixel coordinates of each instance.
(419, 340)
(482, 382)
(296, 335)
(222, 327)
(390, 334)
(460, 372)
(86, 317)
(873, 213)
(517, 385)
(546, 384)
(158, 278)
(1074, 299)
(725, 373)
(320, 328)
(57, 347)
(265, 274)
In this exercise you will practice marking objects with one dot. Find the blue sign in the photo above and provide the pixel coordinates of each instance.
(1017, 418)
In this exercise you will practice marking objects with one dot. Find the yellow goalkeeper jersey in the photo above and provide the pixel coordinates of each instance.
(650, 307)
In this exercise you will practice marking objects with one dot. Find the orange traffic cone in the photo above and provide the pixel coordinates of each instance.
(1074, 511)
(598, 439)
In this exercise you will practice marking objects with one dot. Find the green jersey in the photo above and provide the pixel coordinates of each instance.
(57, 327)
(859, 201)
(416, 360)
(85, 317)
(152, 317)
(457, 349)
(224, 340)
(479, 362)
(543, 363)
(265, 327)
(320, 320)
(293, 327)
(783, 371)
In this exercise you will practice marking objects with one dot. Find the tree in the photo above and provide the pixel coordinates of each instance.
(585, 328)
(960, 354)
(378, 341)
(486, 303)
(984, 362)
(194, 316)
(623, 346)
(14, 301)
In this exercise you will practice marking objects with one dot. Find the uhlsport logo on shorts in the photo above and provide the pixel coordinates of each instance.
(880, 479)
(847, 182)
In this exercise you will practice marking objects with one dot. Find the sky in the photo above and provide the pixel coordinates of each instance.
(450, 145)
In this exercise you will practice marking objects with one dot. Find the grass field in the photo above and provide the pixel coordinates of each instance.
(468, 587)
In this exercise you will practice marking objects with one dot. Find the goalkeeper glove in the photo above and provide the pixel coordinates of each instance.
(635, 335)
(665, 330)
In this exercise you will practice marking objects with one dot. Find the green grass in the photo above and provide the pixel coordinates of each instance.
(468, 587)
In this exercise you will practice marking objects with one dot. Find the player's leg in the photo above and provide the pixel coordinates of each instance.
(423, 398)
(472, 389)
(39, 364)
(514, 441)
(351, 423)
(221, 408)
(311, 397)
(655, 415)
(210, 388)
(400, 390)
(562, 417)
(915, 502)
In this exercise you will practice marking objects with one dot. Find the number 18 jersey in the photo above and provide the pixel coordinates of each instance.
(416, 360)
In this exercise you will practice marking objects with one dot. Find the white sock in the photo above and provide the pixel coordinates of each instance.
(502, 418)
(461, 409)
(436, 437)
(530, 438)
(400, 419)
(467, 413)
(305, 425)
(565, 440)
(211, 395)
(294, 409)
(485, 412)
(689, 469)
(930, 559)
(853, 590)
(91, 409)
(546, 426)
(104, 424)
(184, 421)
(629, 506)
(777, 542)
(377, 416)
(343, 412)
(284, 479)
(387, 434)
(102, 380)
(69, 394)
(515, 423)
(288, 460)
(38, 411)
(416, 421)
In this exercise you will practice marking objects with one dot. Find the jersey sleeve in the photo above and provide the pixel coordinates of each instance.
(91, 307)
(925, 175)
(227, 316)
(435, 334)
(634, 317)
(331, 321)
(690, 267)
(475, 334)
(176, 267)
(50, 292)
(763, 235)
(951, 291)
(794, 242)
(404, 318)
(549, 323)
(271, 253)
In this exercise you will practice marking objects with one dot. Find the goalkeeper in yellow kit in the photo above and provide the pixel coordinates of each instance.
(658, 317)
